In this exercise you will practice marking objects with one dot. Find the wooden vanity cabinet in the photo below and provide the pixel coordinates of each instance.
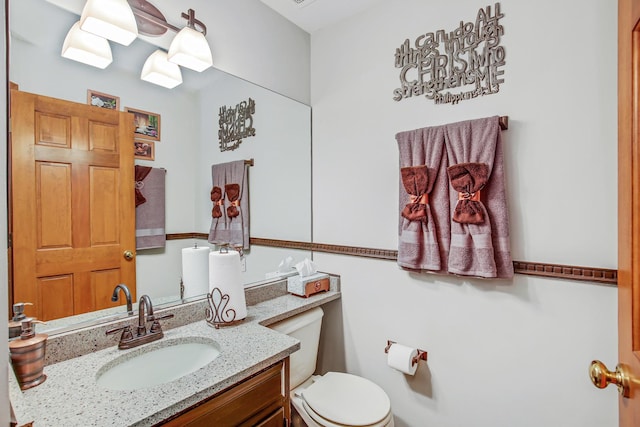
(260, 400)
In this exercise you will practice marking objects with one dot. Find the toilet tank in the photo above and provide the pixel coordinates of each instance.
(306, 328)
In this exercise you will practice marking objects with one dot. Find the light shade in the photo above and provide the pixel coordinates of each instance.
(158, 70)
(190, 49)
(86, 48)
(110, 19)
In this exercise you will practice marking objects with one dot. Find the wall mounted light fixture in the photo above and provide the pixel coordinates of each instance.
(110, 19)
(190, 48)
(121, 21)
(158, 70)
(87, 48)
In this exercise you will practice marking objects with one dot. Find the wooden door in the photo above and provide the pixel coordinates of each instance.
(627, 373)
(73, 208)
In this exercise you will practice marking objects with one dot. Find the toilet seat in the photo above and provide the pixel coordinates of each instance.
(338, 399)
(323, 422)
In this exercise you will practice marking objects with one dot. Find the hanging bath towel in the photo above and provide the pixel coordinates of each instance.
(230, 199)
(477, 200)
(423, 229)
(150, 207)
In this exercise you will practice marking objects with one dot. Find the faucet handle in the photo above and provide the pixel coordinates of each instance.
(126, 332)
(155, 326)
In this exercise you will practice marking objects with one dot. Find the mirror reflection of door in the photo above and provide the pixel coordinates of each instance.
(73, 212)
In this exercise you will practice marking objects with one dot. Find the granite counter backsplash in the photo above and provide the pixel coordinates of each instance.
(70, 396)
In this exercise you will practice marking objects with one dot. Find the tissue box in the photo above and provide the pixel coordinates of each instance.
(308, 285)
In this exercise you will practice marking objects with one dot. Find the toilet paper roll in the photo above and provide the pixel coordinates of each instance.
(225, 273)
(400, 357)
(195, 271)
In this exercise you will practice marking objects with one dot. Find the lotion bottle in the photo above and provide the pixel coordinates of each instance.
(15, 327)
(27, 355)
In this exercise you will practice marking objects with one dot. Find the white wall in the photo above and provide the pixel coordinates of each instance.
(500, 353)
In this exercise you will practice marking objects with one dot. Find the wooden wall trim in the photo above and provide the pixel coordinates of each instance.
(556, 271)
(572, 272)
(184, 236)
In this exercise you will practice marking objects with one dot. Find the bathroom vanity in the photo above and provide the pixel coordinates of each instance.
(246, 383)
(257, 401)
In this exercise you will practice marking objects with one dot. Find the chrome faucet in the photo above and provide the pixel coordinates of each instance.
(128, 339)
(122, 287)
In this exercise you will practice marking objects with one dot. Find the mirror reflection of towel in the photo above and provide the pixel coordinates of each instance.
(232, 227)
(150, 209)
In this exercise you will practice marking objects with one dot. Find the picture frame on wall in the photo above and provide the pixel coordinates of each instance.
(103, 100)
(147, 125)
(144, 150)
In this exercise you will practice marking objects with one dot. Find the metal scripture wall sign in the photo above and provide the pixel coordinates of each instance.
(235, 124)
(449, 67)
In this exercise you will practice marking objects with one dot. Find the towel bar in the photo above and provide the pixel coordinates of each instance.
(504, 122)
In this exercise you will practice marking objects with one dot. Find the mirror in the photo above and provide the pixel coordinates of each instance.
(279, 181)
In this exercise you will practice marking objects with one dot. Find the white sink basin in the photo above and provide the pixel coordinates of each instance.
(157, 363)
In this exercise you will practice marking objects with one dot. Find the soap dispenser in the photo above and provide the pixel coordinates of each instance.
(27, 355)
(15, 327)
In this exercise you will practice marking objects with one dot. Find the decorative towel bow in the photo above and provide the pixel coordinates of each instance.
(233, 195)
(416, 180)
(141, 173)
(216, 198)
(468, 179)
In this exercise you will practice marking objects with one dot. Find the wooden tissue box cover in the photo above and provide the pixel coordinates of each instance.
(309, 285)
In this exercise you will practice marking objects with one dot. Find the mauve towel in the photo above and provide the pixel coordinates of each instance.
(423, 243)
(150, 213)
(480, 249)
(232, 226)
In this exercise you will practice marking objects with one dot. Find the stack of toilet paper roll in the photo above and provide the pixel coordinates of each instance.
(225, 273)
(195, 271)
(400, 357)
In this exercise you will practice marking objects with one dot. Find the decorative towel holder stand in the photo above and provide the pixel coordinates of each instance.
(422, 355)
(217, 313)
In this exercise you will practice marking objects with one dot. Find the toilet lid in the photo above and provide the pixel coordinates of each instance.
(347, 399)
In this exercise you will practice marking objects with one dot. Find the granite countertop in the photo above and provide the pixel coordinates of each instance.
(70, 396)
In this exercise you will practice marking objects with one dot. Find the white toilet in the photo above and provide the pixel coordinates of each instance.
(334, 399)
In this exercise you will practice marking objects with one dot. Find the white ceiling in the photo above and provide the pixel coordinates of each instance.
(312, 15)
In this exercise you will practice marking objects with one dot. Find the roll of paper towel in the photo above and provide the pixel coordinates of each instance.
(225, 274)
(195, 271)
(400, 357)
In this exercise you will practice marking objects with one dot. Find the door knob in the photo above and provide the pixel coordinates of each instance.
(602, 377)
(128, 255)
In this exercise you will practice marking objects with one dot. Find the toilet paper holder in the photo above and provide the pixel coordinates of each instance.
(422, 355)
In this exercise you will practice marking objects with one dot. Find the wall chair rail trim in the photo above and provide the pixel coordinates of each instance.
(556, 271)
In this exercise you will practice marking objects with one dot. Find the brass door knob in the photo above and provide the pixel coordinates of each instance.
(128, 255)
(602, 377)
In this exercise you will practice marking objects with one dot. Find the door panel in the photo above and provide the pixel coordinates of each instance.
(73, 208)
(53, 196)
(55, 296)
(103, 205)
